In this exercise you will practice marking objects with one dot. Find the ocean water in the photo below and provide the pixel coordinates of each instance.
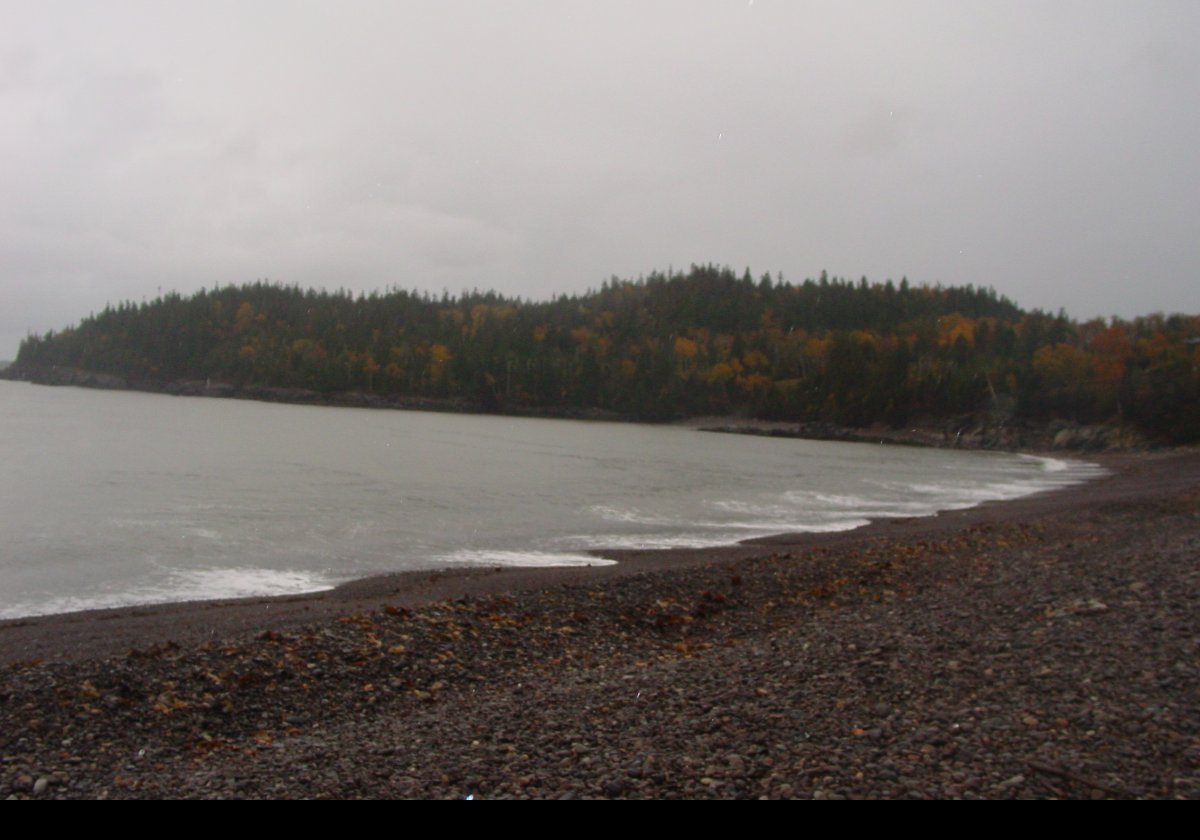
(117, 498)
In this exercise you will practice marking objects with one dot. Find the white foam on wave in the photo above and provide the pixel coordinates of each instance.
(626, 515)
(1061, 473)
(796, 506)
(1050, 474)
(183, 585)
(815, 511)
(734, 532)
(868, 506)
(750, 508)
(956, 495)
(835, 500)
(802, 522)
(648, 541)
(1054, 465)
(206, 533)
(212, 584)
(520, 559)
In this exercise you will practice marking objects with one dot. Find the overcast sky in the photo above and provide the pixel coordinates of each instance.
(1047, 149)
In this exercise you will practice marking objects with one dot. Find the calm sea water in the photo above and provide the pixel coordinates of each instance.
(115, 498)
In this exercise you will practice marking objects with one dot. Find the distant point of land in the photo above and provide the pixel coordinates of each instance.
(820, 353)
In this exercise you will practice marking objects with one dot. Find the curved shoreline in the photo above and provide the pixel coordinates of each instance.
(88, 634)
(1055, 436)
(1038, 648)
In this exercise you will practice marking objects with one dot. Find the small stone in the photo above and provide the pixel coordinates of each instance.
(40, 786)
(1011, 783)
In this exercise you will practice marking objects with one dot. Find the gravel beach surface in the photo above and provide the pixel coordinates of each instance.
(1046, 647)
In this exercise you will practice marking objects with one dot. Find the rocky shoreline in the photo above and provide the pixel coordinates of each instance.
(1040, 648)
(964, 432)
(75, 377)
(968, 432)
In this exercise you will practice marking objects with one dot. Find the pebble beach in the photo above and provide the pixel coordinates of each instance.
(1047, 647)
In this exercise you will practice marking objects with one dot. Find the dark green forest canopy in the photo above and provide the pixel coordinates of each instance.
(705, 341)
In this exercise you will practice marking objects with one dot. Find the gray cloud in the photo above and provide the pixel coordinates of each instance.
(540, 147)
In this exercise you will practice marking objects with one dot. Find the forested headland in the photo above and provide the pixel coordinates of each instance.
(667, 346)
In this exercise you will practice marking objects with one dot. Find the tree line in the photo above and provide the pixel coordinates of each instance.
(664, 346)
